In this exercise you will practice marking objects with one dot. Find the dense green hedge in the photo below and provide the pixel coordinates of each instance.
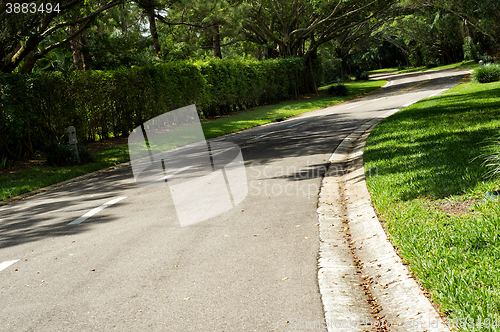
(36, 109)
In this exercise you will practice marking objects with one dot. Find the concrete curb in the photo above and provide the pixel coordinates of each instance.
(363, 282)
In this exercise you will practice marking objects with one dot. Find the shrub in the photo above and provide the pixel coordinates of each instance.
(432, 64)
(487, 73)
(59, 154)
(62, 154)
(491, 157)
(338, 90)
(38, 108)
(330, 69)
(361, 76)
(3, 162)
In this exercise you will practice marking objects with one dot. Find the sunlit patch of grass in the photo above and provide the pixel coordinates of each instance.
(460, 65)
(265, 114)
(382, 71)
(42, 176)
(425, 155)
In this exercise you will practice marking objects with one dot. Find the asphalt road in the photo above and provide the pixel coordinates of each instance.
(103, 254)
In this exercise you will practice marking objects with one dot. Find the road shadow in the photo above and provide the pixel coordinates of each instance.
(33, 218)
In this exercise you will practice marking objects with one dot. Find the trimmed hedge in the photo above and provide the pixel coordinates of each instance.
(36, 109)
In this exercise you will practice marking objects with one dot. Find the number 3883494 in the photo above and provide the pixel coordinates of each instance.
(31, 8)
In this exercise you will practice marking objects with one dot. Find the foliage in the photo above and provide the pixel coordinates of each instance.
(63, 154)
(59, 154)
(481, 16)
(41, 176)
(426, 35)
(338, 90)
(361, 76)
(23, 36)
(3, 162)
(108, 52)
(430, 190)
(470, 49)
(39, 107)
(491, 157)
(432, 64)
(234, 85)
(373, 53)
(331, 66)
(487, 73)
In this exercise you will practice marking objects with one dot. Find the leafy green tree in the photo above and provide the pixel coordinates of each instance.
(426, 36)
(298, 28)
(22, 35)
(481, 18)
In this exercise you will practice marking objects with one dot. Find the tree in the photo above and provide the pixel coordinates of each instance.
(23, 34)
(482, 15)
(205, 23)
(297, 28)
(150, 7)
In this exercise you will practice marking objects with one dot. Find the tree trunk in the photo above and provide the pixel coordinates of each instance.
(216, 42)
(123, 21)
(258, 53)
(154, 31)
(29, 63)
(312, 77)
(79, 50)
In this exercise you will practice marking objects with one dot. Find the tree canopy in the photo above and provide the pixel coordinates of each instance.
(361, 34)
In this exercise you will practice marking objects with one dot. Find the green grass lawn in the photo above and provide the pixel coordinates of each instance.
(382, 71)
(460, 65)
(430, 189)
(41, 176)
(265, 114)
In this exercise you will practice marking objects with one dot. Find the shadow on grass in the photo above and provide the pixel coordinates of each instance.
(431, 149)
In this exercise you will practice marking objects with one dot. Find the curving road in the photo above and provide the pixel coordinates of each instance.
(104, 254)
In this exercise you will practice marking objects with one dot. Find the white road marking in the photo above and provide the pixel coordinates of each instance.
(380, 98)
(173, 173)
(272, 132)
(406, 105)
(220, 152)
(354, 106)
(6, 264)
(296, 124)
(435, 94)
(96, 210)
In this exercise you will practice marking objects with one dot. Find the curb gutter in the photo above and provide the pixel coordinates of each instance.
(363, 283)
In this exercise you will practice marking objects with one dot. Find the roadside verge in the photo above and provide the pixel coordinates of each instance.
(362, 279)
